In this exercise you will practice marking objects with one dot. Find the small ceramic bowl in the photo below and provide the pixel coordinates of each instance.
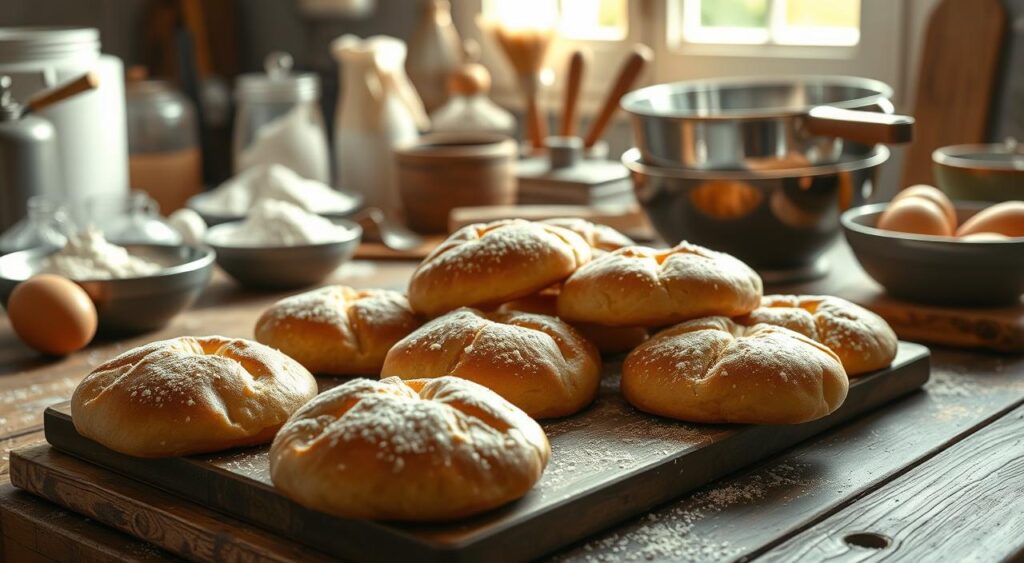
(937, 270)
(980, 172)
(282, 267)
(129, 305)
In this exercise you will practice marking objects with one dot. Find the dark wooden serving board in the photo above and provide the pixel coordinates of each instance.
(609, 462)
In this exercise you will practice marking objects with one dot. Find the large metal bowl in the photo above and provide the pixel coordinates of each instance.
(780, 222)
(938, 270)
(282, 267)
(199, 204)
(129, 305)
(748, 123)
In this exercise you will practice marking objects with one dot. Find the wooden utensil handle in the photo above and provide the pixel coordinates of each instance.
(88, 81)
(536, 128)
(572, 91)
(628, 74)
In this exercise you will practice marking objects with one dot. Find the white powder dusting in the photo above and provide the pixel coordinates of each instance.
(88, 256)
(280, 223)
(272, 181)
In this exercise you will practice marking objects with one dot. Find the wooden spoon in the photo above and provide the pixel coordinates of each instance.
(628, 73)
(572, 92)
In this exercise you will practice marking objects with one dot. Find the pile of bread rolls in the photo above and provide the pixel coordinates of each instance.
(504, 323)
(924, 210)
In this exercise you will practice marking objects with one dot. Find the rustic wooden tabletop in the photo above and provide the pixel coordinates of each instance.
(936, 475)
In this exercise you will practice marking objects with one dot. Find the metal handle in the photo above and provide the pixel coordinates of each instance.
(867, 127)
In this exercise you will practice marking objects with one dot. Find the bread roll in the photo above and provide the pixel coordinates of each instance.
(190, 395)
(639, 286)
(538, 363)
(601, 238)
(608, 339)
(486, 265)
(714, 370)
(336, 329)
(862, 340)
(420, 450)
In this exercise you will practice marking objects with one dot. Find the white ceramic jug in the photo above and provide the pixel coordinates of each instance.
(378, 110)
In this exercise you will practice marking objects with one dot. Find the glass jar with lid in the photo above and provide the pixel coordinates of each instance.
(278, 120)
(45, 226)
(163, 141)
(133, 218)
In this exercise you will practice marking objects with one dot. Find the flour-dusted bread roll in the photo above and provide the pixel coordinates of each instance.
(862, 340)
(336, 329)
(639, 286)
(714, 370)
(190, 395)
(539, 363)
(601, 238)
(419, 450)
(608, 339)
(485, 265)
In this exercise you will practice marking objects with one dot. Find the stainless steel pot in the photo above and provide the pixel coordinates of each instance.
(763, 123)
(778, 221)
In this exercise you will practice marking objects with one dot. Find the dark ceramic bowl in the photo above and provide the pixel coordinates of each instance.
(992, 172)
(282, 267)
(936, 270)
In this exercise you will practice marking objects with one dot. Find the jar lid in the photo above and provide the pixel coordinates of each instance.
(27, 44)
(278, 83)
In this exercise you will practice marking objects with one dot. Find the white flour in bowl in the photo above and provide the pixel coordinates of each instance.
(239, 194)
(88, 256)
(280, 223)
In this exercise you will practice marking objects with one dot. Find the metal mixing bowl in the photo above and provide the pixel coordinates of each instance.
(129, 305)
(282, 267)
(752, 123)
(778, 221)
(939, 270)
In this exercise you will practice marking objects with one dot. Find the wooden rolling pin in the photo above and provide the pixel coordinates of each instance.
(572, 93)
(628, 74)
(84, 83)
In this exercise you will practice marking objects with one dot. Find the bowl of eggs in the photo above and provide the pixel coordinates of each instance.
(921, 247)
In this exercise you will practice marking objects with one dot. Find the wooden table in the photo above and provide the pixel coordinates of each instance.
(937, 475)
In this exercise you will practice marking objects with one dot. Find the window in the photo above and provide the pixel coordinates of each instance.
(592, 20)
(698, 39)
(782, 22)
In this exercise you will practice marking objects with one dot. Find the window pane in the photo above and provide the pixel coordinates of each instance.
(594, 19)
(734, 13)
(818, 13)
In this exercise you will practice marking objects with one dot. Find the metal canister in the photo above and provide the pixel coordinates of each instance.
(29, 163)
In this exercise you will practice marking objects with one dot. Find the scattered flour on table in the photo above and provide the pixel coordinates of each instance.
(88, 256)
(669, 534)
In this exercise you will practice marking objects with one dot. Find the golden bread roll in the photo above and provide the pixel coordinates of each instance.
(190, 395)
(420, 450)
(486, 265)
(714, 370)
(639, 286)
(336, 329)
(599, 237)
(538, 363)
(862, 340)
(608, 339)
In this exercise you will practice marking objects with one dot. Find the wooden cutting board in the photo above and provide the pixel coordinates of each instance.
(1000, 329)
(609, 462)
(956, 80)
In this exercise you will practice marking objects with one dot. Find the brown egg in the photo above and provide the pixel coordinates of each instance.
(52, 314)
(935, 196)
(983, 237)
(915, 215)
(1005, 218)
